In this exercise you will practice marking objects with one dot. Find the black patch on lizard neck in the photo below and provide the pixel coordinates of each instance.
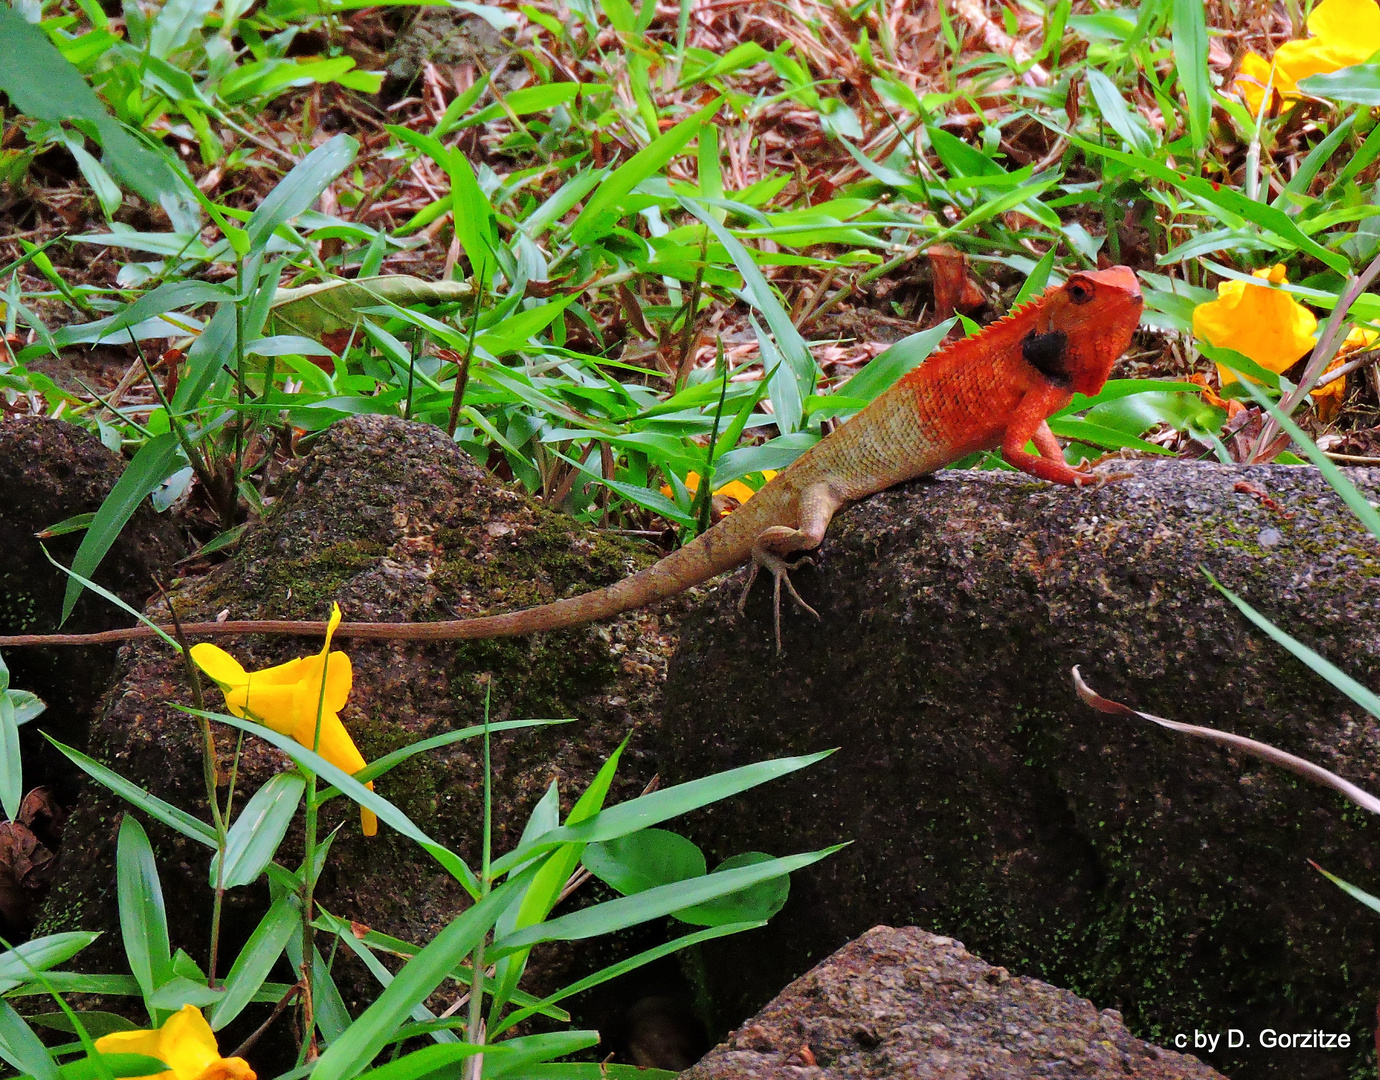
(1046, 354)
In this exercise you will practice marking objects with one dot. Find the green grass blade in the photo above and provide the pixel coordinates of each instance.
(1266, 217)
(1117, 113)
(156, 460)
(349, 786)
(613, 971)
(143, 920)
(430, 1061)
(382, 765)
(208, 353)
(21, 1047)
(473, 217)
(1356, 85)
(296, 192)
(254, 837)
(528, 1050)
(171, 816)
(255, 961)
(11, 768)
(659, 806)
(1188, 27)
(1037, 280)
(760, 294)
(1351, 890)
(615, 915)
(1355, 501)
(606, 204)
(41, 83)
(17, 965)
(1315, 662)
(371, 1032)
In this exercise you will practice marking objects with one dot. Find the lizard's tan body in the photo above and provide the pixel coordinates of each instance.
(995, 389)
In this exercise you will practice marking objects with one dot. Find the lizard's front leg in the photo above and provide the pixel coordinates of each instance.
(1029, 424)
(773, 544)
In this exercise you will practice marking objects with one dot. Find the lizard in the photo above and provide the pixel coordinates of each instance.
(995, 389)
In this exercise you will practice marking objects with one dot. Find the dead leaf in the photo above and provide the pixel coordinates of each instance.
(954, 289)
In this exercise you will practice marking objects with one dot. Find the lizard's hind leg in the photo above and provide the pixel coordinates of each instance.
(775, 543)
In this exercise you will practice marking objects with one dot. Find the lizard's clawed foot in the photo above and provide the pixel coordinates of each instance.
(1097, 480)
(781, 574)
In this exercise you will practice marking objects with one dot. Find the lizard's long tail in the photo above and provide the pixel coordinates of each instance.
(721, 548)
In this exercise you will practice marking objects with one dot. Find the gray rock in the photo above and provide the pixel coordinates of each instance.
(395, 522)
(50, 471)
(1138, 868)
(899, 1004)
(444, 36)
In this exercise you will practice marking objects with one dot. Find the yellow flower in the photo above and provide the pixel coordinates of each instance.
(1345, 32)
(736, 490)
(1328, 399)
(1267, 325)
(185, 1044)
(287, 697)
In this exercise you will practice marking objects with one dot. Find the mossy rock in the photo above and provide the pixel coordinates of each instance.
(395, 523)
(1154, 874)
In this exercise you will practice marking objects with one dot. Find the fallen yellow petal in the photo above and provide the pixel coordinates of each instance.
(185, 1043)
(290, 697)
(1265, 324)
(1345, 32)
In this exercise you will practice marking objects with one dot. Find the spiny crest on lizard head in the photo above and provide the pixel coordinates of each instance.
(1070, 334)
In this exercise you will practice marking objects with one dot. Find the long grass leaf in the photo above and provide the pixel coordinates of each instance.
(1189, 35)
(659, 806)
(348, 785)
(295, 193)
(173, 817)
(1315, 662)
(614, 915)
(21, 1047)
(372, 1031)
(143, 919)
(1267, 217)
(606, 204)
(156, 460)
(1355, 501)
(255, 961)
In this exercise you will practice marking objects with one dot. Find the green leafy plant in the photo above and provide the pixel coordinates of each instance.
(484, 951)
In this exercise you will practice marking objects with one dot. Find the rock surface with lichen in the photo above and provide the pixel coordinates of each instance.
(1157, 875)
(394, 522)
(903, 1003)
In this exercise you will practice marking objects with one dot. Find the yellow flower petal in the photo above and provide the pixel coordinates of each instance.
(738, 490)
(1265, 324)
(1255, 76)
(229, 1068)
(339, 749)
(1345, 32)
(185, 1043)
(218, 664)
(1350, 26)
(288, 698)
(1312, 56)
(272, 705)
(132, 1042)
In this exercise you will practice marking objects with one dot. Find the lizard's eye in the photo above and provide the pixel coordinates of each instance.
(1079, 293)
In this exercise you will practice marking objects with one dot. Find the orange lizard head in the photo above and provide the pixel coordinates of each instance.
(1083, 327)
